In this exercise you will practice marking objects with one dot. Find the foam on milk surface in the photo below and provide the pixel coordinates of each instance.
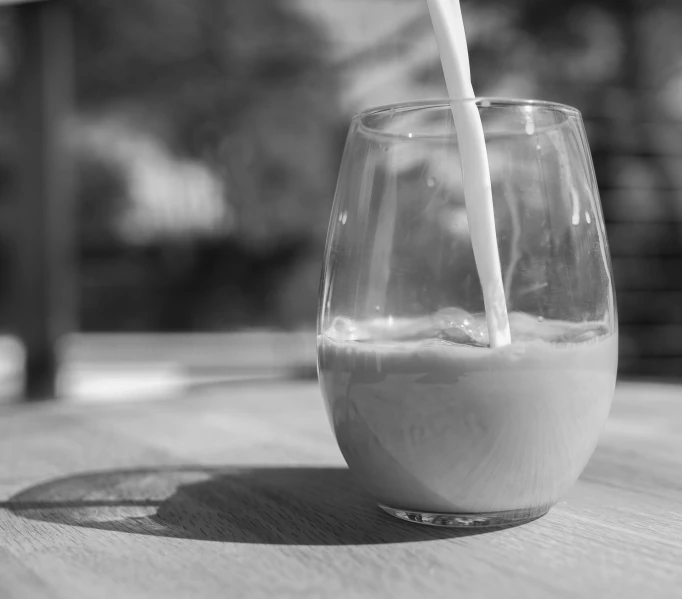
(458, 326)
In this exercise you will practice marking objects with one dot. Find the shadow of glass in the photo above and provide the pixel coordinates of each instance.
(278, 505)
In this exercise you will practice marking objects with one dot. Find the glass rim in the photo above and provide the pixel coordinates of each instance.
(483, 101)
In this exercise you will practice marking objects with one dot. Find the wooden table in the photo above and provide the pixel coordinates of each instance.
(240, 491)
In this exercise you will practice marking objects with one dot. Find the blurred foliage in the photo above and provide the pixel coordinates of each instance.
(250, 95)
(241, 87)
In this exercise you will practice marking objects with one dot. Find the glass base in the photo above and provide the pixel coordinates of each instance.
(482, 520)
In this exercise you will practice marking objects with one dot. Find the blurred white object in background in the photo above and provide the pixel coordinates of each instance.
(169, 197)
(12, 358)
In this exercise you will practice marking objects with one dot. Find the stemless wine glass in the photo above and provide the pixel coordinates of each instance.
(438, 426)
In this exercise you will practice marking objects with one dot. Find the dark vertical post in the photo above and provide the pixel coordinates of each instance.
(45, 261)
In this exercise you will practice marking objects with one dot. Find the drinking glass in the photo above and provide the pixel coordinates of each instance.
(439, 427)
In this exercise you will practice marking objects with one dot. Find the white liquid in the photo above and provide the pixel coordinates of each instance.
(448, 26)
(435, 426)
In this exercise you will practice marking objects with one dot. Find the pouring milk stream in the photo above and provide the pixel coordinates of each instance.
(448, 26)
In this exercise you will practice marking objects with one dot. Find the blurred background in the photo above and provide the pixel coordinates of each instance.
(167, 169)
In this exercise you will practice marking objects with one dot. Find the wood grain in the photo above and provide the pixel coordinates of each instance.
(240, 491)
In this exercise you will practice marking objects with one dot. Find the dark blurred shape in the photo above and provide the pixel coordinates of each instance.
(42, 236)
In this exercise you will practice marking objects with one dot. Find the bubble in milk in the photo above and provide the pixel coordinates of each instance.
(391, 113)
(448, 317)
(431, 182)
(343, 329)
(455, 325)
